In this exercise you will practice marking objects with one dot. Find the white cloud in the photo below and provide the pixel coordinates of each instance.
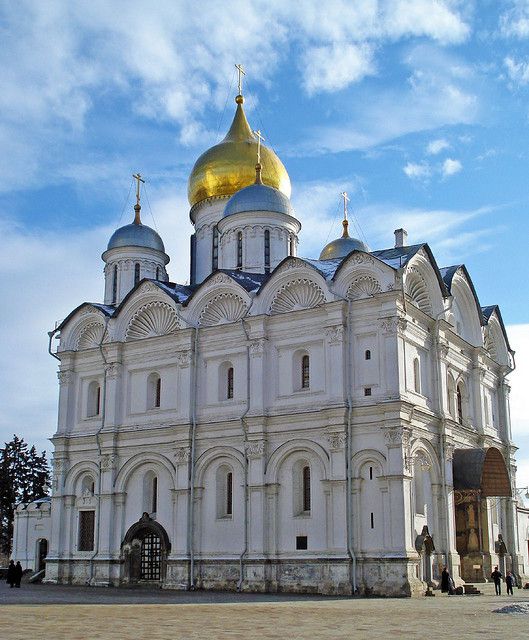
(414, 170)
(517, 71)
(451, 167)
(515, 21)
(436, 146)
(334, 67)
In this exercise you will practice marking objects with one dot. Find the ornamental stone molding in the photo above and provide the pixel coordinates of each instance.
(218, 279)
(363, 286)
(422, 461)
(449, 451)
(257, 347)
(65, 377)
(108, 461)
(183, 358)
(255, 449)
(59, 466)
(91, 336)
(293, 263)
(113, 370)
(336, 440)
(296, 295)
(416, 288)
(393, 324)
(335, 334)
(397, 436)
(153, 319)
(223, 308)
(361, 258)
(182, 454)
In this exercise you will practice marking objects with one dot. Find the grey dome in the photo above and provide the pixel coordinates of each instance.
(136, 235)
(258, 197)
(342, 247)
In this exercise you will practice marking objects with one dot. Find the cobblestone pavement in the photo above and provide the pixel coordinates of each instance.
(115, 613)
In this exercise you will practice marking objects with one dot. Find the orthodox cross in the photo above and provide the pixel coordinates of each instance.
(137, 207)
(241, 74)
(260, 139)
(345, 201)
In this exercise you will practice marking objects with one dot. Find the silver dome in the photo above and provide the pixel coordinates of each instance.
(136, 235)
(258, 197)
(342, 247)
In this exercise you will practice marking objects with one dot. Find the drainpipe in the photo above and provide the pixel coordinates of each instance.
(51, 334)
(245, 442)
(348, 448)
(98, 442)
(191, 472)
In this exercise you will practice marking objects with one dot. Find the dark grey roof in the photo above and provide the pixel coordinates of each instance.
(250, 281)
(104, 308)
(487, 313)
(448, 273)
(397, 257)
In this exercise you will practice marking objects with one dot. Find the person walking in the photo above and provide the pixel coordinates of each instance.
(11, 570)
(496, 575)
(18, 574)
(510, 582)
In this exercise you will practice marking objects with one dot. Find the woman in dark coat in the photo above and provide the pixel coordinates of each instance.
(11, 570)
(445, 581)
(18, 574)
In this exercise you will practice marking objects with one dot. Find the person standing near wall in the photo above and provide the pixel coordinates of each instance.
(510, 582)
(11, 570)
(18, 574)
(496, 575)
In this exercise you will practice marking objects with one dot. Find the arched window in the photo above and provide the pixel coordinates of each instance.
(154, 391)
(267, 251)
(224, 481)
(418, 485)
(416, 376)
(368, 354)
(154, 497)
(115, 284)
(87, 485)
(157, 273)
(215, 249)
(459, 396)
(229, 383)
(136, 273)
(239, 250)
(292, 246)
(450, 392)
(94, 400)
(305, 372)
(306, 488)
(150, 492)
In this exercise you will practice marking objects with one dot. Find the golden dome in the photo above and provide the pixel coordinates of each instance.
(230, 165)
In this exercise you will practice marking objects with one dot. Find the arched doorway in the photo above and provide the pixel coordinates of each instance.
(478, 474)
(42, 552)
(144, 551)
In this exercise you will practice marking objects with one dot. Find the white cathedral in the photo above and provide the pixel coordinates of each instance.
(336, 425)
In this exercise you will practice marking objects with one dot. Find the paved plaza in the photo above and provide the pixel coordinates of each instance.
(82, 613)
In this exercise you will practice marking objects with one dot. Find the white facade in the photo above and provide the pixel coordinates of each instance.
(31, 534)
(298, 430)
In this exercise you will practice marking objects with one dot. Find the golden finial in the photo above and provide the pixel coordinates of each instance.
(239, 99)
(345, 222)
(137, 206)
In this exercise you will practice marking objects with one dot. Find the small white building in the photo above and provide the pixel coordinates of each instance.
(31, 534)
(332, 425)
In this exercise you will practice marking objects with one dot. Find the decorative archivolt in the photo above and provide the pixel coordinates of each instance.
(226, 307)
(362, 287)
(91, 336)
(417, 289)
(490, 344)
(153, 319)
(297, 294)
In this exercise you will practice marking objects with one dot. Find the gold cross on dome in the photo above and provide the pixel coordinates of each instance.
(345, 201)
(138, 179)
(260, 138)
(242, 73)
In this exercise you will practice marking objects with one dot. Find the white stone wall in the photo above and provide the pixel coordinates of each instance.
(31, 525)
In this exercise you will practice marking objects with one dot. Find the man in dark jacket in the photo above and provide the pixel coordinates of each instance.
(510, 582)
(11, 570)
(496, 575)
(18, 574)
(445, 580)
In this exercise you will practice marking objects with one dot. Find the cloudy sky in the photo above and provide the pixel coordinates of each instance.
(418, 108)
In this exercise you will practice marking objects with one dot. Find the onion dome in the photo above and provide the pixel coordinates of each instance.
(258, 197)
(229, 166)
(343, 246)
(136, 234)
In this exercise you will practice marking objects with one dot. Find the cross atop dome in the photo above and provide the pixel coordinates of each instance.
(137, 206)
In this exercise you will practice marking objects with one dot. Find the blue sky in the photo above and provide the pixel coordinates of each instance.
(418, 108)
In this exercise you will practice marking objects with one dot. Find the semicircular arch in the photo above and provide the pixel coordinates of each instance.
(140, 460)
(314, 450)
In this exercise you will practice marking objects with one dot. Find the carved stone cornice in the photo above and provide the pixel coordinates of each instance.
(108, 461)
(65, 377)
(113, 370)
(397, 436)
(181, 455)
(335, 334)
(255, 449)
(257, 347)
(184, 358)
(336, 440)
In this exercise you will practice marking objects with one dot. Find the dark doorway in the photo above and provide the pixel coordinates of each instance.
(42, 553)
(144, 551)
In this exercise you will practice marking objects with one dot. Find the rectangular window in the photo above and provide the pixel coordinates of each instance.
(154, 495)
(301, 543)
(267, 251)
(115, 285)
(239, 250)
(86, 530)
(306, 488)
(372, 521)
(305, 372)
(215, 249)
(367, 391)
(229, 494)
(229, 385)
